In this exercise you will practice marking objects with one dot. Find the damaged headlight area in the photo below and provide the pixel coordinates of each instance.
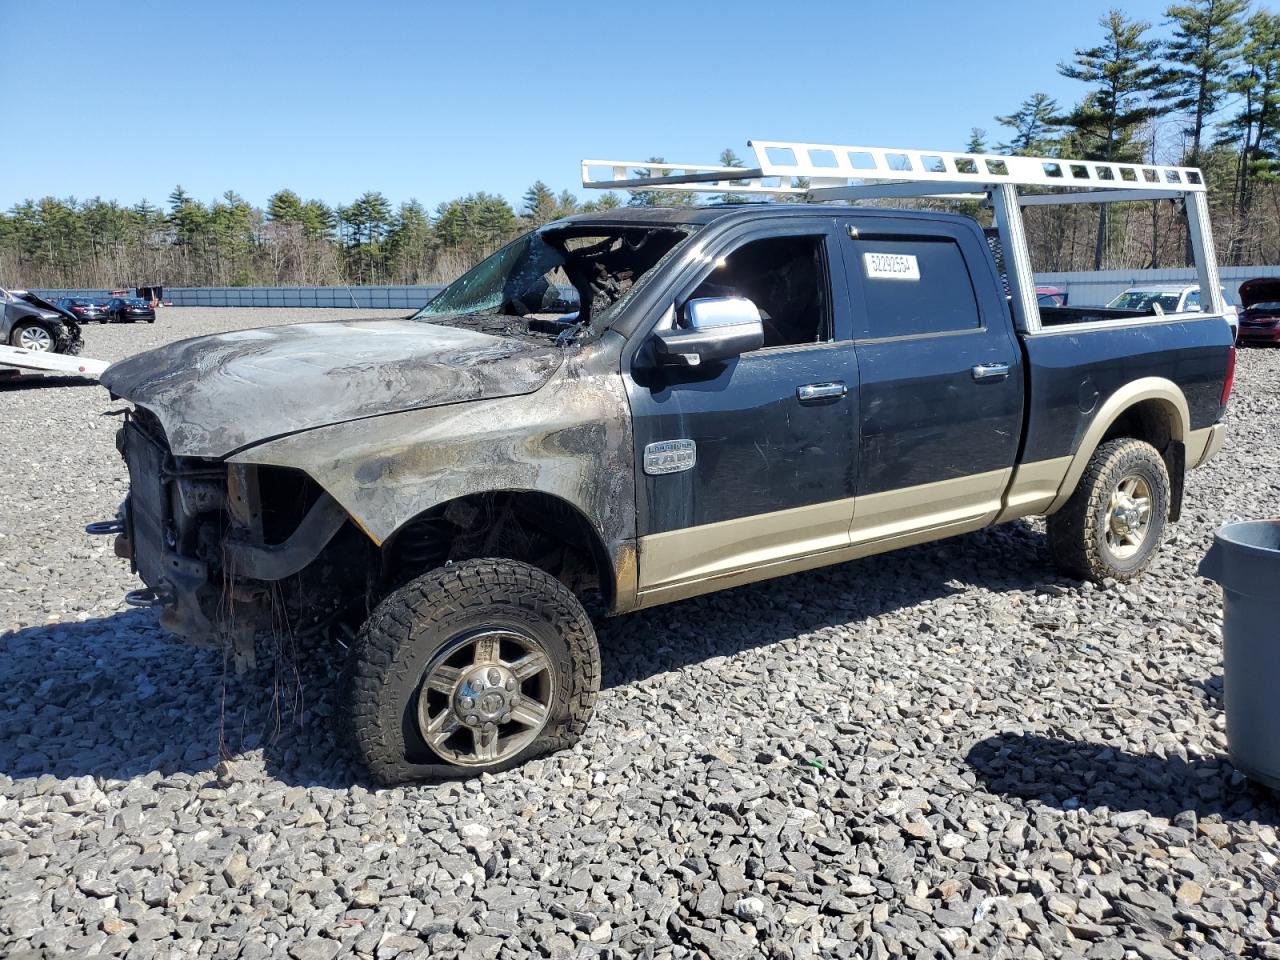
(227, 550)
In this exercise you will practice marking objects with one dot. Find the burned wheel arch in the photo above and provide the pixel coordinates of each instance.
(495, 477)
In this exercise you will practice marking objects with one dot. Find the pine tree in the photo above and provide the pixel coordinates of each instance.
(1032, 124)
(604, 201)
(539, 204)
(657, 198)
(1255, 127)
(1104, 125)
(977, 141)
(284, 206)
(728, 158)
(1207, 39)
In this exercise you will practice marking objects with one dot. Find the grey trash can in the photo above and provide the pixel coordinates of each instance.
(1245, 561)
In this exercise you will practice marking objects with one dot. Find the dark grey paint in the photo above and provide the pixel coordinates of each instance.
(1073, 374)
(759, 448)
(924, 417)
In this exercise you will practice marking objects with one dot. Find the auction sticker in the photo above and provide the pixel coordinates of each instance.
(891, 266)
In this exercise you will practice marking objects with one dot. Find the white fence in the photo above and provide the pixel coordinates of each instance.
(1090, 289)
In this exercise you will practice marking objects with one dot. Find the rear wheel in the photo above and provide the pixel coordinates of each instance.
(33, 336)
(472, 667)
(1115, 519)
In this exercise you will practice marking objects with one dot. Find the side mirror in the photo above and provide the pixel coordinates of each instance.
(716, 328)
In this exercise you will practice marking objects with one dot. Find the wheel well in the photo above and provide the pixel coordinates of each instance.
(1156, 422)
(535, 528)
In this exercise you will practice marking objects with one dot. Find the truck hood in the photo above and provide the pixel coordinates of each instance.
(218, 394)
(1261, 290)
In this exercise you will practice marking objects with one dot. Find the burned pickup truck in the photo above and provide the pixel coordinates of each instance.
(637, 406)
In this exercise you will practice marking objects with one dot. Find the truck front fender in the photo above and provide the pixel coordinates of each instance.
(570, 439)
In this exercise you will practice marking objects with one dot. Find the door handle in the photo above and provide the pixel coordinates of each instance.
(990, 371)
(817, 392)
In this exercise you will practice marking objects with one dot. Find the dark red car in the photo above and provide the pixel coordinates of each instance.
(1051, 296)
(1260, 310)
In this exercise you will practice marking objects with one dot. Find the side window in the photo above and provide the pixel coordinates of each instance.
(915, 286)
(786, 278)
(1193, 301)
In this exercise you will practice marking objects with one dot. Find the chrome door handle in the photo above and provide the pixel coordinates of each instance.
(816, 392)
(990, 371)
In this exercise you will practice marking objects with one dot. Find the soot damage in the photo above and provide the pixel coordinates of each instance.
(287, 479)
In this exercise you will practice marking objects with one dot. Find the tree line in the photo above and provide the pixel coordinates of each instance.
(1201, 89)
(229, 242)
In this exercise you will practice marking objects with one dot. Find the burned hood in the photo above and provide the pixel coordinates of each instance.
(218, 394)
(1261, 290)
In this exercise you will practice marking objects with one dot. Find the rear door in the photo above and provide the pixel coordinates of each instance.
(940, 376)
(772, 432)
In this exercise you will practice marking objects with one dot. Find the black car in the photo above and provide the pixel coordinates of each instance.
(33, 323)
(130, 310)
(84, 308)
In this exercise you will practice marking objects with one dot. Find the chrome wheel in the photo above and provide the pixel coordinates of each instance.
(486, 697)
(35, 338)
(1128, 516)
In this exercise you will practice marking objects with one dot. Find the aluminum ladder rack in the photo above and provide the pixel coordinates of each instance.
(836, 172)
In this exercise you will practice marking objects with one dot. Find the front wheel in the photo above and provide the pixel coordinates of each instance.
(34, 337)
(1115, 519)
(472, 667)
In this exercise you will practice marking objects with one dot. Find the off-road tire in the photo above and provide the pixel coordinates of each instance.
(392, 650)
(1077, 532)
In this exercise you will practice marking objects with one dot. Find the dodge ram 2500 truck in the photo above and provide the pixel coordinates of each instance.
(648, 404)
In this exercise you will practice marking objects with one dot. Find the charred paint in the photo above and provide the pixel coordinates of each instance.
(570, 439)
(215, 395)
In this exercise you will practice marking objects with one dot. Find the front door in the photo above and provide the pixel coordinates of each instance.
(773, 431)
(940, 376)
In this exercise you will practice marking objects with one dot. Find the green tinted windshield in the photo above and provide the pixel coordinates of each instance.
(1145, 300)
(577, 272)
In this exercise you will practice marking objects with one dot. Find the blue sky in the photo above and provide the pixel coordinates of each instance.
(125, 99)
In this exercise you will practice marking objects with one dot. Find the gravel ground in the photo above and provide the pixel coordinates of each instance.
(944, 751)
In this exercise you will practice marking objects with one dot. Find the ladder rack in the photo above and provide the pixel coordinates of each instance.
(843, 172)
(837, 172)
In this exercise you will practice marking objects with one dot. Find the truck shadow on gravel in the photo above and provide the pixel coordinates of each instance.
(113, 697)
(1075, 774)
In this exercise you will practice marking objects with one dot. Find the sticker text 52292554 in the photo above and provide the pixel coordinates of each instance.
(891, 266)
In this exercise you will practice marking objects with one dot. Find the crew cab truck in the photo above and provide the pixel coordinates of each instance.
(643, 405)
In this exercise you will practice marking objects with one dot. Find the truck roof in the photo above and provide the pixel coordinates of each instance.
(705, 214)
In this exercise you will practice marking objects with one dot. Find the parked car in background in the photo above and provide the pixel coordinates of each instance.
(1051, 296)
(130, 310)
(84, 308)
(1171, 298)
(33, 323)
(1260, 310)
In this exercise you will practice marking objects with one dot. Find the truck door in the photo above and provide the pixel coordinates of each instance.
(940, 376)
(771, 433)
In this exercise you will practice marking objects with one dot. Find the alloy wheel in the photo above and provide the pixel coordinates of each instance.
(35, 338)
(486, 697)
(1128, 516)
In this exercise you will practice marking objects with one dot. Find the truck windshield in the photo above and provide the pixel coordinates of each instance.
(574, 274)
(1144, 300)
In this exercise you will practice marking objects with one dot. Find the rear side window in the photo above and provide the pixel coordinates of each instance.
(916, 286)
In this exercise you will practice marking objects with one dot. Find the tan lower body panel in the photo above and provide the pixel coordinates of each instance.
(715, 556)
(1034, 487)
(1203, 445)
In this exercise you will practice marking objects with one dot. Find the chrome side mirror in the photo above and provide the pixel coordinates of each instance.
(715, 328)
